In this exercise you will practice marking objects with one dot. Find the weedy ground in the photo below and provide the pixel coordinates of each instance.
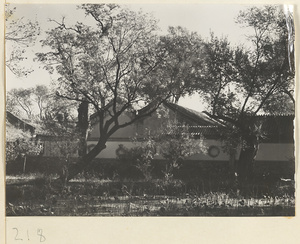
(38, 195)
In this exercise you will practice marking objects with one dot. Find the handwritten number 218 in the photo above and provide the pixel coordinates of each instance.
(39, 233)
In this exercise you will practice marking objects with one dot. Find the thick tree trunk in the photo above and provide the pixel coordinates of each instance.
(246, 160)
(232, 162)
(83, 124)
(85, 161)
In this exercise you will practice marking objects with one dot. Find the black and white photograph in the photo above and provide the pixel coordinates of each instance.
(149, 110)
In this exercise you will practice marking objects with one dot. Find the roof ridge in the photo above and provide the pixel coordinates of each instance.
(189, 111)
(21, 120)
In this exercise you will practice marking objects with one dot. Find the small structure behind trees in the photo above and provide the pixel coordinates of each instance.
(112, 122)
(20, 141)
(116, 64)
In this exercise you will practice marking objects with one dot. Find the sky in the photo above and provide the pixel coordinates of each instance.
(201, 18)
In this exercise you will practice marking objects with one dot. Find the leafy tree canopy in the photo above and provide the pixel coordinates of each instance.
(241, 82)
(182, 61)
(20, 33)
(112, 64)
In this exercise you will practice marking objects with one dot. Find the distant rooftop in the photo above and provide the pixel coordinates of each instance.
(19, 123)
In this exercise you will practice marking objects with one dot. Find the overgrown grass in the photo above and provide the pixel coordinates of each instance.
(92, 196)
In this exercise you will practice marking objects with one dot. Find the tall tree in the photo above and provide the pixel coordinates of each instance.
(82, 126)
(241, 82)
(19, 101)
(107, 64)
(182, 60)
(41, 97)
(30, 103)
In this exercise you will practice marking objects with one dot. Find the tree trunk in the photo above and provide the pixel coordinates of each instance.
(246, 159)
(85, 161)
(83, 124)
(24, 164)
(232, 162)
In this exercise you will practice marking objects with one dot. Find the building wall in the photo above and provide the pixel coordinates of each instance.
(150, 123)
(52, 148)
(112, 146)
(127, 132)
(267, 151)
(271, 152)
(277, 152)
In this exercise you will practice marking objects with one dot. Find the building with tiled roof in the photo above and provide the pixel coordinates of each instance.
(278, 143)
(18, 123)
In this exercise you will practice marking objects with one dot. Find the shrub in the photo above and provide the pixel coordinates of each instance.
(176, 144)
(139, 157)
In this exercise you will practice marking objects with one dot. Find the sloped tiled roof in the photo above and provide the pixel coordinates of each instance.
(195, 116)
(198, 117)
(19, 123)
(276, 127)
